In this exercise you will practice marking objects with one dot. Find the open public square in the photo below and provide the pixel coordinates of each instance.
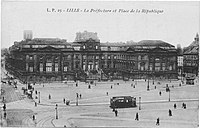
(92, 108)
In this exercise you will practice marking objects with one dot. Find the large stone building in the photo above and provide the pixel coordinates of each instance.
(50, 59)
(191, 58)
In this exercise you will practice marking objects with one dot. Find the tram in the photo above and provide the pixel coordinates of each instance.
(122, 102)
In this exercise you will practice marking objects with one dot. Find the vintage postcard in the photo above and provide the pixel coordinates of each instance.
(100, 64)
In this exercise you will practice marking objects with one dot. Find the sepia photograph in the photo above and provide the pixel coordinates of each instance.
(99, 64)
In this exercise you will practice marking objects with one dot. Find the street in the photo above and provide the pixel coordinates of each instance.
(93, 106)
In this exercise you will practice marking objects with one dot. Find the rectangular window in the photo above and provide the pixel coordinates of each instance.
(56, 67)
(157, 68)
(65, 68)
(48, 67)
(142, 68)
(84, 56)
(157, 64)
(31, 69)
(31, 58)
(41, 67)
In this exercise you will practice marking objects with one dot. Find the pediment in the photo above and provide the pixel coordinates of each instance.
(158, 49)
(130, 50)
(49, 48)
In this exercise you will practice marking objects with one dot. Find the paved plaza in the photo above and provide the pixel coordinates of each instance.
(93, 107)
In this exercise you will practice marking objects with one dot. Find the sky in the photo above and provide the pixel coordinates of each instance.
(176, 22)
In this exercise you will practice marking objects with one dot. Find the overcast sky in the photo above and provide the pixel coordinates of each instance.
(177, 23)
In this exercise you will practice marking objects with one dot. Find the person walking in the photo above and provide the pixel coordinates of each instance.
(4, 107)
(116, 112)
(49, 96)
(160, 93)
(111, 87)
(170, 112)
(175, 106)
(137, 117)
(63, 100)
(107, 93)
(158, 121)
(183, 105)
(5, 114)
(33, 117)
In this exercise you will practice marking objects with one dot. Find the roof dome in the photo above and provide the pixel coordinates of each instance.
(154, 43)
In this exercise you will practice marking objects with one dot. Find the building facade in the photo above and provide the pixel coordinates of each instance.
(53, 59)
(191, 58)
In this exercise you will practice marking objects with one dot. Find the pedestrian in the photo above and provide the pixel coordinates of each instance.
(63, 100)
(3, 98)
(170, 112)
(174, 106)
(67, 102)
(36, 92)
(183, 105)
(4, 107)
(5, 114)
(158, 121)
(89, 86)
(107, 93)
(35, 104)
(160, 93)
(80, 96)
(33, 117)
(116, 112)
(49, 96)
(155, 87)
(137, 117)
(111, 86)
(76, 84)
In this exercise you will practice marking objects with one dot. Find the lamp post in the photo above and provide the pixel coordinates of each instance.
(39, 97)
(56, 111)
(139, 103)
(169, 95)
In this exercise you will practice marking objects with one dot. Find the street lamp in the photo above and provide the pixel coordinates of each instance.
(39, 97)
(139, 103)
(169, 95)
(56, 111)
